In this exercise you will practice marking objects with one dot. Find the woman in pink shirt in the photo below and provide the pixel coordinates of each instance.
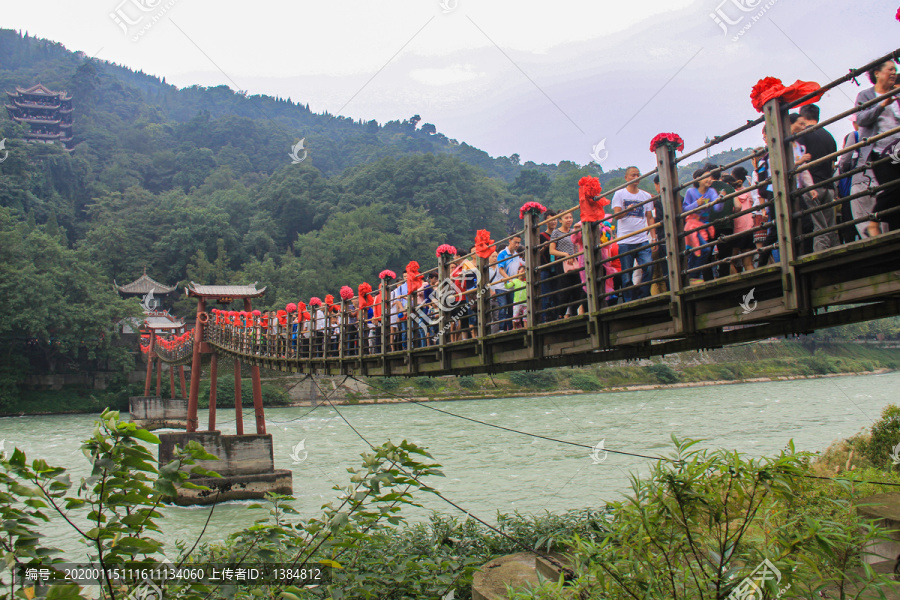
(743, 223)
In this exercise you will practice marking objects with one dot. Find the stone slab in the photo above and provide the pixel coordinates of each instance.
(238, 487)
(250, 454)
(153, 412)
(515, 570)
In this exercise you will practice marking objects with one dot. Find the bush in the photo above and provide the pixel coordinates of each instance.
(425, 383)
(533, 379)
(585, 381)
(388, 384)
(468, 383)
(885, 437)
(663, 373)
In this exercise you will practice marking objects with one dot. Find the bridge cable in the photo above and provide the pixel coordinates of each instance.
(303, 416)
(535, 435)
(526, 547)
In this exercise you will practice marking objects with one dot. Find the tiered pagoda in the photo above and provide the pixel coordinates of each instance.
(48, 113)
(148, 289)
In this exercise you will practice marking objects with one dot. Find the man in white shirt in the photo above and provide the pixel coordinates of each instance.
(634, 248)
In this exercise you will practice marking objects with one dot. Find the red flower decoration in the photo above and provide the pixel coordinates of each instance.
(589, 204)
(387, 274)
(445, 249)
(897, 15)
(365, 299)
(256, 313)
(535, 208)
(290, 308)
(346, 292)
(672, 140)
(769, 88)
(329, 300)
(301, 307)
(315, 301)
(484, 245)
(413, 278)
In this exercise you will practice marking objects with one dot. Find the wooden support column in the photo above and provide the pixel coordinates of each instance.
(159, 378)
(591, 255)
(238, 407)
(171, 381)
(668, 193)
(258, 409)
(150, 363)
(411, 326)
(183, 382)
(192, 422)
(213, 375)
(343, 338)
(781, 162)
(532, 239)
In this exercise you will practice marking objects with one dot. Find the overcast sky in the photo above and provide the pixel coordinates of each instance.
(545, 80)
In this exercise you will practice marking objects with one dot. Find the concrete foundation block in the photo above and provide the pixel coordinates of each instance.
(238, 487)
(153, 412)
(238, 454)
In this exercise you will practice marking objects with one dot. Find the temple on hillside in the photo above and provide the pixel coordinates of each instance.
(48, 113)
(151, 293)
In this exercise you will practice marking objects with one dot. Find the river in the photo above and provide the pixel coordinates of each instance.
(489, 470)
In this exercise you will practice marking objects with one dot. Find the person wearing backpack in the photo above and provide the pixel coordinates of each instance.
(858, 182)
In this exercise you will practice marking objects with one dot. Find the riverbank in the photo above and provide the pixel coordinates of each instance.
(771, 360)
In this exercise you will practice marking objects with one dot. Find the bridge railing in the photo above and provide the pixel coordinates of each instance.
(468, 297)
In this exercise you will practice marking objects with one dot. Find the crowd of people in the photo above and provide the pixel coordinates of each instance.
(726, 221)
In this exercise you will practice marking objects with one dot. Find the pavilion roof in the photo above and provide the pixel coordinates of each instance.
(162, 322)
(144, 285)
(41, 90)
(224, 291)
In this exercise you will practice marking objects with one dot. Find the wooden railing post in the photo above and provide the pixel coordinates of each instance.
(385, 321)
(671, 203)
(411, 327)
(445, 286)
(589, 240)
(150, 353)
(781, 162)
(531, 239)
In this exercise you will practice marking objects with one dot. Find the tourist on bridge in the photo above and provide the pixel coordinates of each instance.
(860, 207)
(879, 118)
(660, 271)
(634, 239)
(509, 260)
(570, 295)
(803, 179)
(819, 143)
(398, 319)
(764, 238)
(720, 214)
(699, 233)
(743, 244)
(520, 298)
(498, 288)
(548, 285)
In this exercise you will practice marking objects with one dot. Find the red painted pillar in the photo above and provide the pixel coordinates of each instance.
(149, 364)
(183, 384)
(171, 381)
(195, 369)
(238, 409)
(158, 378)
(213, 365)
(257, 386)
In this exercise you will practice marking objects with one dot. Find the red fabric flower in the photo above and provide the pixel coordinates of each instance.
(315, 301)
(535, 207)
(301, 307)
(290, 308)
(769, 88)
(329, 300)
(413, 278)
(256, 313)
(346, 292)
(484, 245)
(897, 16)
(591, 206)
(673, 140)
(387, 274)
(445, 249)
(365, 300)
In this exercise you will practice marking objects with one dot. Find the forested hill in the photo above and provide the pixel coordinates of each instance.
(197, 184)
